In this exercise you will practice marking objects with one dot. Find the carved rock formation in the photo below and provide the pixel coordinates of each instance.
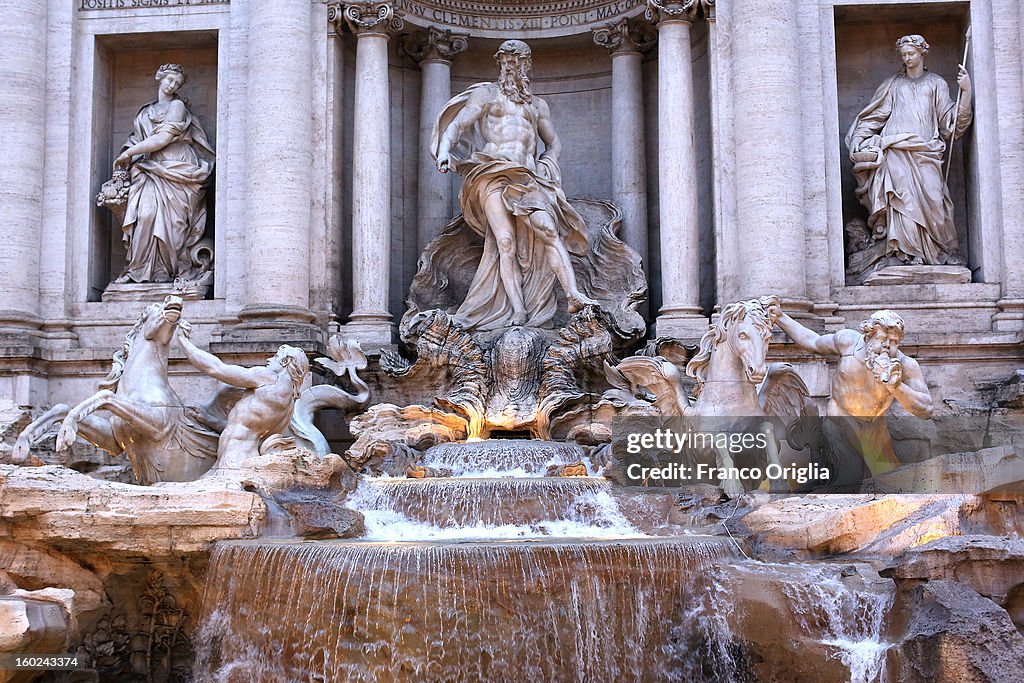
(518, 380)
(992, 566)
(954, 635)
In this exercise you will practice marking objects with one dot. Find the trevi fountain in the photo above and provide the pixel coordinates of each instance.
(580, 340)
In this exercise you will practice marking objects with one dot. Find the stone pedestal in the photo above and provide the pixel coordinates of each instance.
(156, 291)
(919, 275)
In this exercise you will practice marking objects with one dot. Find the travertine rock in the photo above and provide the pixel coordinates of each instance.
(32, 623)
(318, 518)
(1010, 394)
(991, 565)
(54, 507)
(955, 635)
(830, 524)
(989, 469)
(292, 468)
(34, 567)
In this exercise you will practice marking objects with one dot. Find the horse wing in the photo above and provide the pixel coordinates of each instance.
(658, 377)
(783, 393)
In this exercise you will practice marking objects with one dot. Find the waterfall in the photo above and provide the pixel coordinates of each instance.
(849, 620)
(533, 610)
(499, 573)
(507, 508)
(503, 458)
(814, 608)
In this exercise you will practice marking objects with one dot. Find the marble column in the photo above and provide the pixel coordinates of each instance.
(370, 321)
(770, 184)
(625, 41)
(680, 315)
(727, 275)
(22, 120)
(279, 156)
(434, 50)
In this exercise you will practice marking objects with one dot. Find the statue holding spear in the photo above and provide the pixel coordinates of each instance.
(898, 144)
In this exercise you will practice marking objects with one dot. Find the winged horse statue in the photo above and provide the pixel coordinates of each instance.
(136, 411)
(732, 375)
(142, 416)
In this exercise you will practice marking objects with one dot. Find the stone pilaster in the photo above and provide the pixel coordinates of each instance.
(22, 120)
(279, 159)
(680, 314)
(768, 152)
(434, 50)
(370, 321)
(625, 41)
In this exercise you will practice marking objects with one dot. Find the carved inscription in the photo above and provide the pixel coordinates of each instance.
(140, 4)
(555, 20)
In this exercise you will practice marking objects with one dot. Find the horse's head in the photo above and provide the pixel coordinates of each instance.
(156, 324)
(745, 328)
(748, 329)
(160, 319)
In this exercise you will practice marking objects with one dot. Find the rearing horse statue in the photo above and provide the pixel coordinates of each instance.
(730, 365)
(147, 420)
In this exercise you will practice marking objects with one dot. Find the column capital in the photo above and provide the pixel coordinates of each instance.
(435, 44)
(659, 11)
(364, 18)
(622, 36)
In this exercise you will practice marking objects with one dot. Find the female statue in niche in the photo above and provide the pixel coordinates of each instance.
(898, 143)
(170, 161)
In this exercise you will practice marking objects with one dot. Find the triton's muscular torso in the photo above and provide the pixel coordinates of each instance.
(510, 130)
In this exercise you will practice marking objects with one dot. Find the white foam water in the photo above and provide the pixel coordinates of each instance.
(849, 620)
(497, 458)
(504, 509)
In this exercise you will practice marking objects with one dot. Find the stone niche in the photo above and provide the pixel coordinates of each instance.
(574, 76)
(866, 55)
(125, 72)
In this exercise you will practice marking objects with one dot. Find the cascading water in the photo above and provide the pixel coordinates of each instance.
(503, 508)
(494, 611)
(842, 618)
(494, 573)
(850, 621)
(502, 458)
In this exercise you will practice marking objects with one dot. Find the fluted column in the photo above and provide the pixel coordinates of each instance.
(680, 314)
(434, 50)
(370, 322)
(769, 163)
(279, 156)
(22, 119)
(624, 41)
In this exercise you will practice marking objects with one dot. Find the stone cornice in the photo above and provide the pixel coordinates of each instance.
(435, 43)
(625, 36)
